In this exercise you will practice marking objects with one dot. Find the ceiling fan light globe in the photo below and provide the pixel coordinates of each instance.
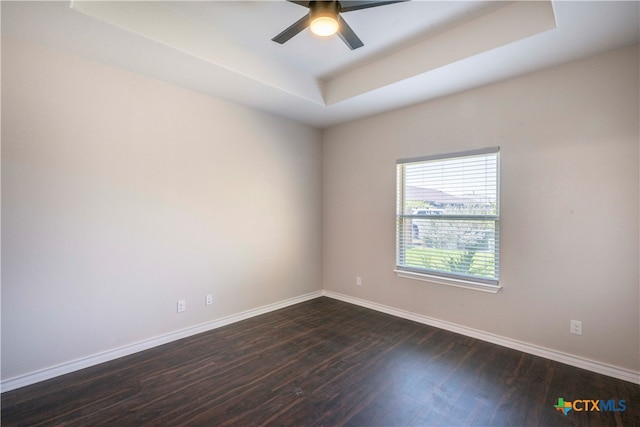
(324, 25)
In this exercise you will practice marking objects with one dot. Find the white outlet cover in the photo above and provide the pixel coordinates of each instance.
(575, 327)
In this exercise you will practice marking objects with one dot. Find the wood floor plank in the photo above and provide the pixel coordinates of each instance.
(322, 363)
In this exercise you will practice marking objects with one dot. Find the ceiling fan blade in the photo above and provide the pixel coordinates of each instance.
(348, 36)
(301, 3)
(293, 29)
(348, 6)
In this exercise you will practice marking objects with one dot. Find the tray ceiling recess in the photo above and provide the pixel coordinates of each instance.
(154, 21)
(413, 51)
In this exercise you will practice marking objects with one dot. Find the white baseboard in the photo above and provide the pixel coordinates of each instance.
(547, 353)
(86, 362)
(96, 359)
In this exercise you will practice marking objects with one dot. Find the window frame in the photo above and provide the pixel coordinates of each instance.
(491, 285)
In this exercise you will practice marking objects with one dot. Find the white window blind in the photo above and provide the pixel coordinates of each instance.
(448, 221)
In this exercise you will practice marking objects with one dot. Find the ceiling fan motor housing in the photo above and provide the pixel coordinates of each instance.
(323, 17)
(324, 7)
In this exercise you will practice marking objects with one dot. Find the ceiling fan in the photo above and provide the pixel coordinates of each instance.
(324, 20)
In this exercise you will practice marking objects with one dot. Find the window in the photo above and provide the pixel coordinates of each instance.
(448, 219)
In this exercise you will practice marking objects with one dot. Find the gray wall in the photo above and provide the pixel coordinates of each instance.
(121, 195)
(569, 141)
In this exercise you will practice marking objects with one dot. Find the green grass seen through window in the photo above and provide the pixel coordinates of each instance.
(480, 264)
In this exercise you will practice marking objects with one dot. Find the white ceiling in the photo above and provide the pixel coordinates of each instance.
(414, 51)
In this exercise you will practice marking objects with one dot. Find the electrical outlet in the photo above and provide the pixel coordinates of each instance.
(208, 300)
(358, 280)
(575, 327)
(182, 305)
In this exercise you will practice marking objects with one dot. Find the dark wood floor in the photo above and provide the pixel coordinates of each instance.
(322, 363)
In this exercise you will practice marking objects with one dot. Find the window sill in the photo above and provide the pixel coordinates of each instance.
(466, 284)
